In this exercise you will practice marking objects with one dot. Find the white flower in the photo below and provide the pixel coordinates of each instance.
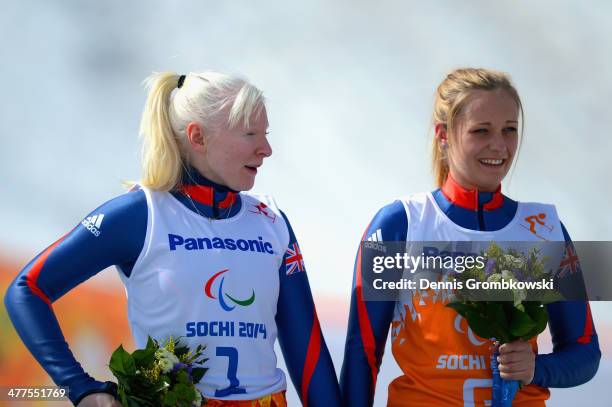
(173, 358)
(166, 354)
(509, 258)
(519, 296)
(167, 359)
(198, 398)
(166, 365)
(495, 277)
(507, 275)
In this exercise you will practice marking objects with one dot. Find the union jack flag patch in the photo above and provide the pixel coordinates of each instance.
(570, 263)
(294, 263)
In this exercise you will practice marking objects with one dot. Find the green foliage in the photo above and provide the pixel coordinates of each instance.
(143, 382)
(198, 372)
(506, 315)
(122, 362)
(520, 323)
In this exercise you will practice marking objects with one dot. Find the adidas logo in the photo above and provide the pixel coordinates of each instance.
(376, 236)
(92, 223)
(372, 241)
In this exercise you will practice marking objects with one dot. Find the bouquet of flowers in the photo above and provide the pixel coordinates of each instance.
(505, 315)
(159, 375)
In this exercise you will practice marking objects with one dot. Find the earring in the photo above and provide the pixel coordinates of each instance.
(442, 148)
(443, 145)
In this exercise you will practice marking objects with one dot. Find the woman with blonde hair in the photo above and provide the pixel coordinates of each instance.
(200, 258)
(476, 124)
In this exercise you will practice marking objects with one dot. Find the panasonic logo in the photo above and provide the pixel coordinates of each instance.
(258, 245)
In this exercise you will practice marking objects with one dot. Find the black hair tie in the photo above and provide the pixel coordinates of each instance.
(181, 80)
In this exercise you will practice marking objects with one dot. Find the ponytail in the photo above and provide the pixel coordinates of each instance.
(161, 153)
(213, 100)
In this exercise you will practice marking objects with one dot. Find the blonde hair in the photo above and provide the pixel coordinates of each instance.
(451, 96)
(211, 99)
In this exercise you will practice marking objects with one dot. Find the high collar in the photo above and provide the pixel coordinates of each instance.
(191, 176)
(207, 195)
(213, 200)
(471, 198)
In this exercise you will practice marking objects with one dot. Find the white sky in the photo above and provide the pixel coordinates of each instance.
(349, 86)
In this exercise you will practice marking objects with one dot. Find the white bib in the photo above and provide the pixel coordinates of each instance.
(427, 222)
(533, 222)
(215, 283)
(443, 361)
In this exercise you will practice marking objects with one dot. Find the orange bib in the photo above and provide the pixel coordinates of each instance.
(443, 361)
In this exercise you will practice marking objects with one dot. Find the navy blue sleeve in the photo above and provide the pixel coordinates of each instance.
(113, 234)
(369, 321)
(299, 334)
(575, 357)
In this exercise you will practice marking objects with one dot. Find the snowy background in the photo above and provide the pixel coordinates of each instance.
(349, 86)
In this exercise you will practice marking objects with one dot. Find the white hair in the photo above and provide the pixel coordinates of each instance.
(214, 100)
(211, 99)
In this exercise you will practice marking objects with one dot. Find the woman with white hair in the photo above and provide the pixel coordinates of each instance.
(200, 258)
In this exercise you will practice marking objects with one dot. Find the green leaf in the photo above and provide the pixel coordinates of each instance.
(122, 362)
(115, 364)
(144, 357)
(521, 323)
(182, 377)
(532, 307)
(497, 315)
(181, 351)
(476, 317)
(159, 387)
(539, 315)
(184, 392)
(122, 396)
(170, 399)
(498, 320)
(121, 378)
(125, 384)
(197, 373)
(481, 327)
(151, 343)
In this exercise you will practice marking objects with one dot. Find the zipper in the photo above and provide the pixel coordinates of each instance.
(215, 209)
(481, 225)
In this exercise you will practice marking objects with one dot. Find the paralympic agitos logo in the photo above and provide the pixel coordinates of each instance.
(221, 295)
